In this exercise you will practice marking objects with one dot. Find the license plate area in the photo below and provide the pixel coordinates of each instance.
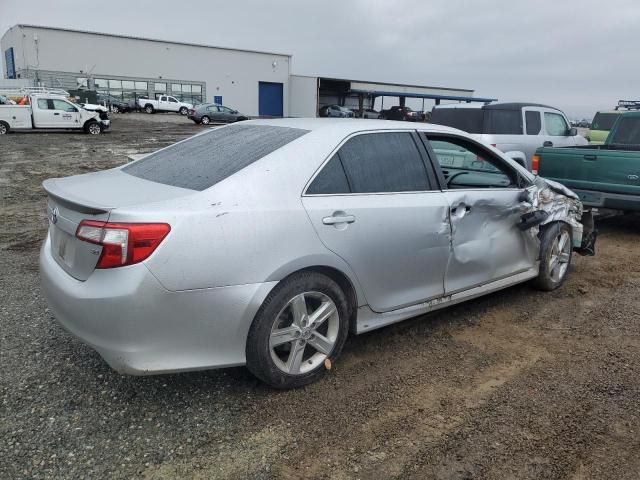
(62, 246)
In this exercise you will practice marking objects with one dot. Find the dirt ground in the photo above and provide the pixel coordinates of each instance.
(518, 384)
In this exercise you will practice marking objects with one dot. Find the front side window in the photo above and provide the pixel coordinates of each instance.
(172, 100)
(555, 124)
(534, 122)
(466, 165)
(64, 106)
(378, 163)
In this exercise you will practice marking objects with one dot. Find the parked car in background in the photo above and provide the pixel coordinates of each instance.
(114, 104)
(399, 113)
(177, 261)
(44, 111)
(511, 127)
(336, 111)
(605, 176)
(370, 113)
(206, 113)
(165, 103)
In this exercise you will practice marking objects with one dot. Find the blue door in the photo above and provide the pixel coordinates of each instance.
(270, 99)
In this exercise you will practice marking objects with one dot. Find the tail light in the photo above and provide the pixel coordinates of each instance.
(122, 243)
(535, 164)
(494, 145)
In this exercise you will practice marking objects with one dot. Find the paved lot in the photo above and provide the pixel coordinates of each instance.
(519, 384)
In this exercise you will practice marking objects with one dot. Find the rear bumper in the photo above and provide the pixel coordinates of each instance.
(615, 201)
(141, 328)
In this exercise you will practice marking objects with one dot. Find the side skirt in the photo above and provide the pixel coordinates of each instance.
(369, 320)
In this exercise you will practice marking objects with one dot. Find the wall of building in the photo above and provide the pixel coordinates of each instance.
(232, 74)
(303, 96)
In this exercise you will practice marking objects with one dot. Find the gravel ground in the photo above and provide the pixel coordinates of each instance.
(518, 384)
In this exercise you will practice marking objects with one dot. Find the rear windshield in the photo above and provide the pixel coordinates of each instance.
(503, 122)
(604, 121)
(467, 119)
(204, 160)
(627, 132)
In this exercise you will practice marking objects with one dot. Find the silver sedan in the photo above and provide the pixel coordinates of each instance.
(266, 243)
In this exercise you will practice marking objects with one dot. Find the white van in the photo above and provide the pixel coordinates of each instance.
(511, 127)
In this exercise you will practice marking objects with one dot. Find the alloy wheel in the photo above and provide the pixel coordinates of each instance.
(560, 256)
(3, 129)
(94, 129)
(304, 333)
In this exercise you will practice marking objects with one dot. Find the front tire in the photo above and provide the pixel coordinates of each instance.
(555, 256)
(93, 128)
(303, 322)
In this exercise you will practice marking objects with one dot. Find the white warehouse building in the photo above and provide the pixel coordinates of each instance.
(254, 82)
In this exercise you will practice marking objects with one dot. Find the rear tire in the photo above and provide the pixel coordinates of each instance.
(183, 110)
(555, 256)
(149, 109)
(4, 128)
(307, 316)
(205, 120)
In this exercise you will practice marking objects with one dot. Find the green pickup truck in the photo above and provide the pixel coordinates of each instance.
(604, 176)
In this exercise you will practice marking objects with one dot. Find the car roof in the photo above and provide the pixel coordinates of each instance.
(496, 106)
(351, 125)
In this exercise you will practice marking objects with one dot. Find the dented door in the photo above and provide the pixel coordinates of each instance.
(486, 244)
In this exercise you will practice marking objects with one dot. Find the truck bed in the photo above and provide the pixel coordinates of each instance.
(606, 176)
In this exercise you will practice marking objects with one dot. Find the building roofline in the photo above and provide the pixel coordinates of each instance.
(133, 37)
(396, 84)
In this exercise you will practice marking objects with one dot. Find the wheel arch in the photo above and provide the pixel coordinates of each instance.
(346, 281)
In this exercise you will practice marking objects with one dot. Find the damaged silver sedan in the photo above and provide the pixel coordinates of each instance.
(265, 243)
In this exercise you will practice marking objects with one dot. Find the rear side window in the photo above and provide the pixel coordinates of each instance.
(331, 180)
(204, 160)
(534, 122)
(604, 121)
(503, 122)
(466, 119)
(627, 132)
(383, 162)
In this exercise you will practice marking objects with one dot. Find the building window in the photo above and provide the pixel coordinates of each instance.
(128, 85)
(197, 88)
(141, 86)
(176, 87)
(115, 84)
(82, 83)
(101, 83)
(160, 87)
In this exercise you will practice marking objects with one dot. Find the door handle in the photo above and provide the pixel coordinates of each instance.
(338, 217)
(56, 113)
(547, 144)
(590, 157)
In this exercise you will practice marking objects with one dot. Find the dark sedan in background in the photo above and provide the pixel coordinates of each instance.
(207, 113)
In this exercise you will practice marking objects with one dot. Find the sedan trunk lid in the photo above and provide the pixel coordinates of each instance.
(92, 197)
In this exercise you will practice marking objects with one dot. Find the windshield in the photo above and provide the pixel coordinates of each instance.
(604, 121)
(206, 159)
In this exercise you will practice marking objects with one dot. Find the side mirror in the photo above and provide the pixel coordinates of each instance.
(518, 157)
(234, 111)
(572, 132)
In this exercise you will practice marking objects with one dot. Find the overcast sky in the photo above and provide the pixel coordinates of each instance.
(578, 56)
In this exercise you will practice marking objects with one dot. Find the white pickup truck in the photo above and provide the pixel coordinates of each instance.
(165, 103)
(53, 112)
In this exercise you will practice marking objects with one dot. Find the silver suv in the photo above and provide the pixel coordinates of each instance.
(511, 127)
